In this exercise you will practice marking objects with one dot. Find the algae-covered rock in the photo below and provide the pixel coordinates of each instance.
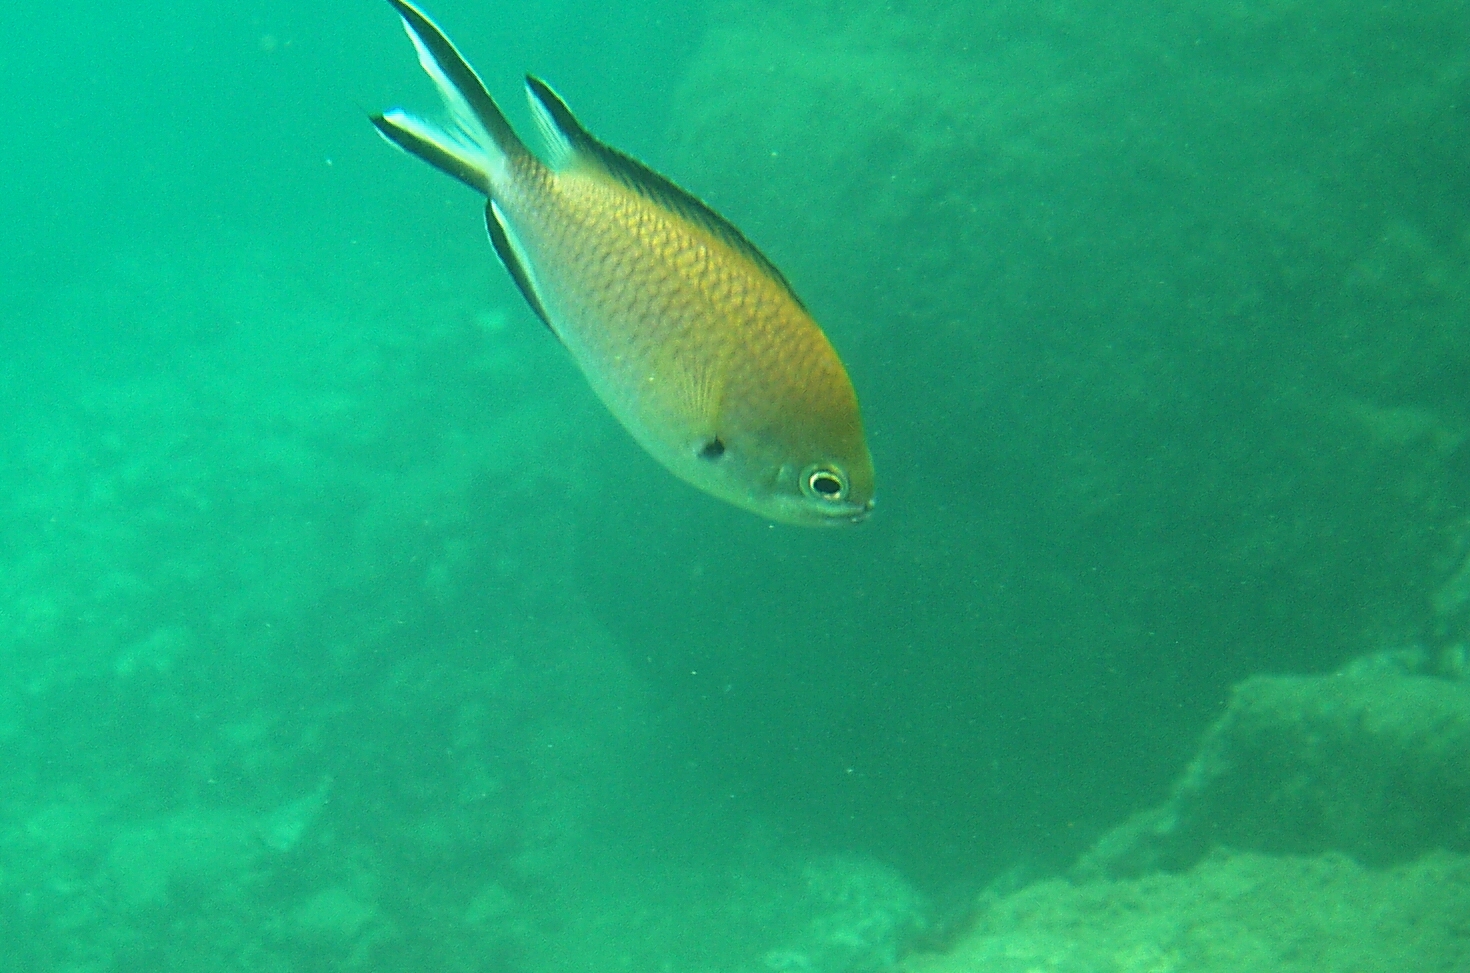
(861, 914)
(1369, 762)
(1229, 914)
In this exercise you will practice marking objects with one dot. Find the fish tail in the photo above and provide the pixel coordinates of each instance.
(478, 145)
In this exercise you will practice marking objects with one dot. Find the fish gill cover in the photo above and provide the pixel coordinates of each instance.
(341, 629)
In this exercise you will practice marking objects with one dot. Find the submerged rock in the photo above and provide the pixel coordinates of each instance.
(1322, 827)
(1227, 914)
(1369, 762)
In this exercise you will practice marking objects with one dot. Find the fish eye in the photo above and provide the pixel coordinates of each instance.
(824, 483)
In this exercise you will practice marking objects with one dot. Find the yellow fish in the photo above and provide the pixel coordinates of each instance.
(690, 336)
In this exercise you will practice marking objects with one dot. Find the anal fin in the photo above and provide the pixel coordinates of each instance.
(513, 264)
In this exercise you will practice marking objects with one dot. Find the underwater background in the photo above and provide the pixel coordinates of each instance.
(341, 628)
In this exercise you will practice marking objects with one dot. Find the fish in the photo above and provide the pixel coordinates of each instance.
(694, 341)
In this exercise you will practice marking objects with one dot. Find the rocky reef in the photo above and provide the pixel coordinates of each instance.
(343, 630)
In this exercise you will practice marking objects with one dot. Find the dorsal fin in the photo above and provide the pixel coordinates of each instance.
(568, 143)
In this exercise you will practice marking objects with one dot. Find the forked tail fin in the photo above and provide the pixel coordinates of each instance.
(478, 143)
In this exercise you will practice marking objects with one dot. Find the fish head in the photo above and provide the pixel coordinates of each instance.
(806, 477)
(791, 442)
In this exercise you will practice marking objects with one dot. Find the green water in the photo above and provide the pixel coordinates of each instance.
(341, 628)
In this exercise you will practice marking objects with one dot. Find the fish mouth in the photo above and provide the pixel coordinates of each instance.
(861, 514)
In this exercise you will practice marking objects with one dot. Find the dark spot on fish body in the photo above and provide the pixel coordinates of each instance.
(713, 449)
